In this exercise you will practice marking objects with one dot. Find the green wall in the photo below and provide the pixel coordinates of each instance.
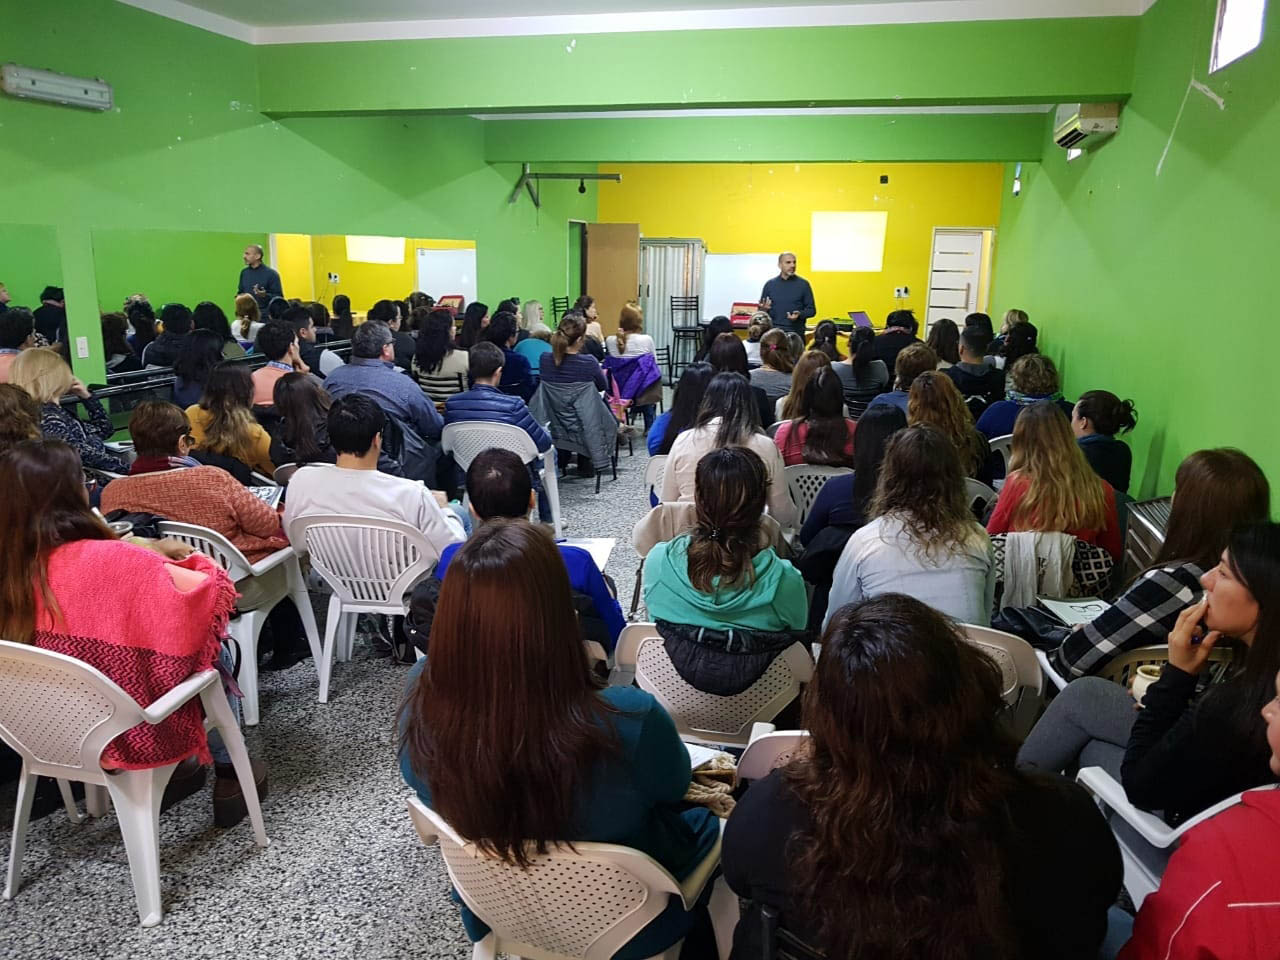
(186, 149)
(186, 266)
(29, 261)
(1156, 284)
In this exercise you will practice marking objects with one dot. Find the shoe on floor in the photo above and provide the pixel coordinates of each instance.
(229, 806)
(188, 778)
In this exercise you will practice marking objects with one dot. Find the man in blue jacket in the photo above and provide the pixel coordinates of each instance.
(485, 401)
(498, 487)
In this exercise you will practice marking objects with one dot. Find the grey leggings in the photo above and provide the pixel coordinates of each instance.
(1086, 725)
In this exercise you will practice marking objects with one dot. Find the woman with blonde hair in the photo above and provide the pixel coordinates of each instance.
(223, 423)
(248, 317)
(934, 399)
(46, 378)
(1051, 488)
(630, 341)
(774, 373)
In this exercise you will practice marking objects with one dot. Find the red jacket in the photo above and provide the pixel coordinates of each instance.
(1015, 487)
(1219, 899)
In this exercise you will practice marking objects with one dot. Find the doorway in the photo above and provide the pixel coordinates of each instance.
(959, 273)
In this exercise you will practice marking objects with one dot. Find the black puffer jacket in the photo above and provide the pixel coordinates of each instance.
(723, 662)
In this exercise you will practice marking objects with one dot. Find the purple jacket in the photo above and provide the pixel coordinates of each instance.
(634, 375)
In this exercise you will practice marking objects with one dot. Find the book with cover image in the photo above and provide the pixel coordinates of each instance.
(269, 495)
(1072, 612)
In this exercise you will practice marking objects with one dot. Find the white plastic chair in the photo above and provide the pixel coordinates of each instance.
(768, 750)
(975, 492)
(284, 473)
(582, 902)
(1048, 671)
(59, 714)
(654, 471)
(805, 481)
(1004, 447)
(1022, 683)
(705, 717)
(371, 564)
(261, 586)
(1146, 842)
(468, 438)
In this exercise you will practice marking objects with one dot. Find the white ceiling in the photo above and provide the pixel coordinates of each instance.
(314, 21)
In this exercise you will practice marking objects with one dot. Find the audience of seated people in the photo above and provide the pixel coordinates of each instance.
(149, 626)
(773, 375)
(1098, 416)
(356, 487)
(903, 829)
(727, 417)
(1051, 488)
(728, 355)
(499, 488)
(817, 432)
(223, 423)
(1031, 379)
(979, 381)
(909, 362)
(593, 765)
(43, 374)
(920, 537)
(725, 603)
(1181, 753)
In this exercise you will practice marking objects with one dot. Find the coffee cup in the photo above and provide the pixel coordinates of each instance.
(1144, 677)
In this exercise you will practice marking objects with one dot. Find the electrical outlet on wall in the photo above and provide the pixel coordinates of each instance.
(333, 277)
(82, 347)
(901, 293)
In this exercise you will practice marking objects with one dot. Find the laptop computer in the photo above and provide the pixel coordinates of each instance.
(860, 318)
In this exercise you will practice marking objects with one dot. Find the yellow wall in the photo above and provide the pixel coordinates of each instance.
(763, 208)
(364, 283)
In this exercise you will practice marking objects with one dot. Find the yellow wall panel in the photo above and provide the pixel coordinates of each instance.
(763, 208)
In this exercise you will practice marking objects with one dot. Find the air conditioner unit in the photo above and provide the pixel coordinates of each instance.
(32, 84)
(1077, 122)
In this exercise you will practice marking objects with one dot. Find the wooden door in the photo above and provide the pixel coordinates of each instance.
(613, 269)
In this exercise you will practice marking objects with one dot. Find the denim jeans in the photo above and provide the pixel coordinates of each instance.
(216, 746)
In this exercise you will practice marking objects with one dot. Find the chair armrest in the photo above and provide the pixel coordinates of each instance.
(1147, 825)
(760, 729)
(179, 695)
(691, 886)
(1052, 675)
(272, 560)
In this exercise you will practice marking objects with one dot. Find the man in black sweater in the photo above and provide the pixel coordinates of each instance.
(258, 279)
(975, 375)
(899, 331)
(787, 297)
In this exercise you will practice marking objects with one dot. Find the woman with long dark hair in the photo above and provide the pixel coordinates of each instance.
(904, 831)
(201, 351)
(115, 344)
(343, 322)
(1215, 491)
(718, 326)
(209, 316)
(728, 354)
(944, 340)
(1181, 754)
(555, 758)
(863, 375)
(727, 418)
(810, 362)
(921, 538)
(826, 340)
(843, 501)
(142, 318)
(818, 433)
(773, 375)
(474, 319)
(303, 434)
(684, 408)
(436, 358)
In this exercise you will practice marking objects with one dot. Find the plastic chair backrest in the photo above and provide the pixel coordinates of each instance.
(975, 491)
(1003, 446)
(583, 902)
(212, 544)
(1121, 669)
(699, 715)
(58, 712)
(284, 473)
(1015, 657)
(466, 439)
(441, 388)
(367, 561)
(654, 471)
(765, 754)
(805, 481)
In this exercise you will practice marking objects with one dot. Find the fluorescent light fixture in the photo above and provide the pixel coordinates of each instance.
(32, 84)
(848, 241)
(1238, 30)
(375, 249)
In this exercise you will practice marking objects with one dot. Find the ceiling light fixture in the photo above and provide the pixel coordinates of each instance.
(528, 181)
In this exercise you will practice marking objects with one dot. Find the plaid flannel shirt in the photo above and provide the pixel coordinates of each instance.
(1142, 615)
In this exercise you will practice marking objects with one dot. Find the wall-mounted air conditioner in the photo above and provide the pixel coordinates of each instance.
(1077, 122)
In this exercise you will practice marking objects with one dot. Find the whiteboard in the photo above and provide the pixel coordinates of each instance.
(728, 278)
(442, 272)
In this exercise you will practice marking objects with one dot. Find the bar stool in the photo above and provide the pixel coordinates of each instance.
(686, 337)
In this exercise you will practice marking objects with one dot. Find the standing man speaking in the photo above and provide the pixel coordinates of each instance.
(788, 298)
(264, 283)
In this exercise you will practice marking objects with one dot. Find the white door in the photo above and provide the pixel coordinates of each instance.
(958, 274)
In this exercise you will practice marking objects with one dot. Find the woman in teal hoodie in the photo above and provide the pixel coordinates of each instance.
(726, 578)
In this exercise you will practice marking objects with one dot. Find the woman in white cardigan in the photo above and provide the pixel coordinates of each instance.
(728, 418)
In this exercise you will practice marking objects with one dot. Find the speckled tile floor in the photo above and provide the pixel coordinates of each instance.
(344, 877)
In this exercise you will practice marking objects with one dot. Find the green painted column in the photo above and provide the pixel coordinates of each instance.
(80, 284)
